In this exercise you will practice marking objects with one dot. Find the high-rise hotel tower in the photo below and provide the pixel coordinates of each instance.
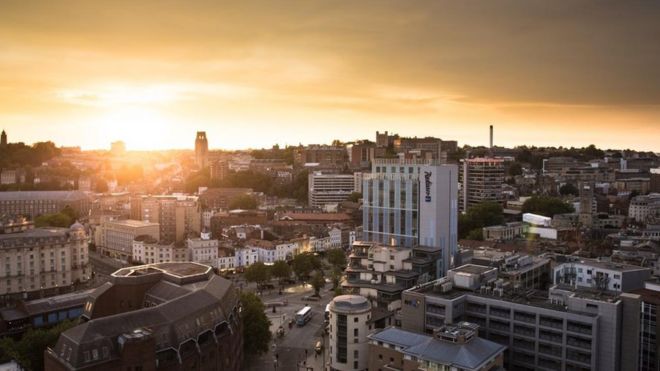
(412, 203)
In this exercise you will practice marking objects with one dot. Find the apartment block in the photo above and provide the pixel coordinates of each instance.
(381, 272)
(481, 180)
(177, 215)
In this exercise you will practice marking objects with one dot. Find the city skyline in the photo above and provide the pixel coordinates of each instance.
(545, 74)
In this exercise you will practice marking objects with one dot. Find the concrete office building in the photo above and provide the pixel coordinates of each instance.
(328, 189)
(449, 348)
(410, 203)
(43, 261)
(642, 318)
(115, 238)
(601, 275)
(171, 316)
(201, 150)
(34, 203)
(560, 329)
(350, 324)
(481, 180)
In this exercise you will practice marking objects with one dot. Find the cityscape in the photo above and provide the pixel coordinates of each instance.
(329, 186)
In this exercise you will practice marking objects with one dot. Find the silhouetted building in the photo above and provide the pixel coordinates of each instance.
(3, 138)
(169, 316)
(34, 203)
(118, 148)
(201, 150)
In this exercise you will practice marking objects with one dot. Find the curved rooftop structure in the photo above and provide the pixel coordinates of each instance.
(175, 314)
(350, 304)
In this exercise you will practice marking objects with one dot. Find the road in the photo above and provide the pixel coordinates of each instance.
(292, 346)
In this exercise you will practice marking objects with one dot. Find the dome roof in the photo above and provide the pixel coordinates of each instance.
(77, 227)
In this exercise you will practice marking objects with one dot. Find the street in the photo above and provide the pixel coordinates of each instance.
(295, 349)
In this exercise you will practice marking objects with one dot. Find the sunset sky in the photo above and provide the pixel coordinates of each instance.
(256, 73)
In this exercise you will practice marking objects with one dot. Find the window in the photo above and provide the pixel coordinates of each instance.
(355, 320)
(355, 332)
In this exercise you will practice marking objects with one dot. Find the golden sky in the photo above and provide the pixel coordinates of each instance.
(255, 73)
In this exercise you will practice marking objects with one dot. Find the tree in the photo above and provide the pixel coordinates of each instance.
(317, 282)
(281, 270)
(478, 216)
(304, 264)
(257, 272)
(569, 189)
(546, 206)
(256, 325)
(337, 257)
(29, 350)
(355, 197)
(515, 169)
(245, 202)
(54, 220)
(335, 276)
(70, 212)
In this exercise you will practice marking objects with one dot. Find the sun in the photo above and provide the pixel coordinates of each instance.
(140, 127)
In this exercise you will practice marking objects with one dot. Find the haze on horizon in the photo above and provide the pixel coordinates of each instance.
(256, 73)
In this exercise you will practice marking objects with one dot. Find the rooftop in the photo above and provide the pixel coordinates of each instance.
(43, 195)
(470, 355)
(350, 303)
(132, 223)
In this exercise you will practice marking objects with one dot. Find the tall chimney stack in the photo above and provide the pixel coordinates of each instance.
(491, 137)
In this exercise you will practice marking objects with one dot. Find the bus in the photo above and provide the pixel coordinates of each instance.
(303, 316)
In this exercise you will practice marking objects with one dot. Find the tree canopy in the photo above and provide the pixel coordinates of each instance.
(281, 270)
(245, 202)
(257, 272)
(29, 350)
(478, 216)
(304, 264)
(569, 189)
(546, 206)
(256, 325)
(337, 258)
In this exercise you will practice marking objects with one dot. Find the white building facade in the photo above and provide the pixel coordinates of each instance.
(412, 202)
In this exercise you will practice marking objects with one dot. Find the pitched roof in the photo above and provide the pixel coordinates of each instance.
(469, 355)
